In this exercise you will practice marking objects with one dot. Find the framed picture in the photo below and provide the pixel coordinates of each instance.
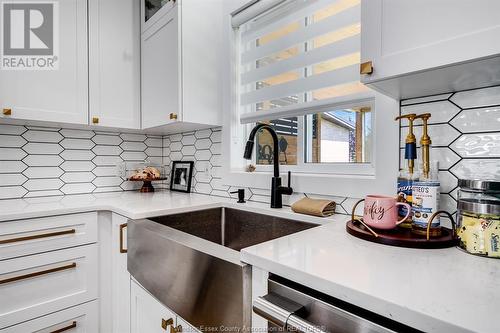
(180, 178)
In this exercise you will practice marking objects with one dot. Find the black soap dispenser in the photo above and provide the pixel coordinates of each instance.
(241, 195)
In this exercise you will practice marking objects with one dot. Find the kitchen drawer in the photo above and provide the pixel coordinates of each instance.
(40, 284)
(30, 236)
(78, 319)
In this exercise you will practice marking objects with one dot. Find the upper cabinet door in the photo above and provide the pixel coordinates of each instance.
(161, 66)
(56, 95)
(404, 36)
(114, 42)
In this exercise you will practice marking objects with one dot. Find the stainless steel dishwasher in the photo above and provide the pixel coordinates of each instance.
(292, 307)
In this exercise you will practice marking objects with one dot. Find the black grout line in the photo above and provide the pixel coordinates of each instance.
(425, 102)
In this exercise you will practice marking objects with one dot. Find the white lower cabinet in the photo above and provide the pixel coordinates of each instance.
(78, 319)
(49, 270)
(147, 314)
(114, 278)
(39, 284)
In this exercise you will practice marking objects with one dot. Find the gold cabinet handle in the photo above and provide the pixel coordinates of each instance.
(166, 323)
(95, 120)
(366, 68)
(173, 116)
(27, 238)
(35, 274)
(177, 329)
(122, 226)
(67, 328)
(7, 112)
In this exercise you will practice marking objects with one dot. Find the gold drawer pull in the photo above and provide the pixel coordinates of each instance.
(95, 120)
(7, 112)
(122, 226)
(67, 328)
(35, 274)
(366, 68)
(166, 323)
(173, 116)
(27, 238)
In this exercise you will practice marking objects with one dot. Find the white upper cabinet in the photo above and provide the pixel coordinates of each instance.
(161, 71)
(114, 48)
(59, 95)
(181, 65)
(98, 79)
(429, 47)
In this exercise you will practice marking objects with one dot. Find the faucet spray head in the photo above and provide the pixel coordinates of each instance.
(248, 150)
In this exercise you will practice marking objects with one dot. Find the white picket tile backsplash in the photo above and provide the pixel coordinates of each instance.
(477, 98)
(78, 177)
(477, 168)
(39, 161)
(478, 120)
(44, 161)
(204, 148)
(442, 111)
(42, 136)
(478, 145)
(468, 136)
(442, 135)
(43, 172)
(12, 179)
(425, 99)
(12, 141)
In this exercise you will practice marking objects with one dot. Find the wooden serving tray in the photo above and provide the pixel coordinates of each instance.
(402, 237)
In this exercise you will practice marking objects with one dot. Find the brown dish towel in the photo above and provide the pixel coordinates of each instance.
(316, 207)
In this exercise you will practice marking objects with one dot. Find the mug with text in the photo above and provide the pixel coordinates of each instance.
(381, 211)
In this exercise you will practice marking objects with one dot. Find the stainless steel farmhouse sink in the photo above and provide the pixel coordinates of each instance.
(190, 262)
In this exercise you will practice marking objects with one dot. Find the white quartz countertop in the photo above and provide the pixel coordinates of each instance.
(133, 205)
(444, 290)
(432, 290)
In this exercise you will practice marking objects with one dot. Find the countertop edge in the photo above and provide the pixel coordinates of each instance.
(377, 305)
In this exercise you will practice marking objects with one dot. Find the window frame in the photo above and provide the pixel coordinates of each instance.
(342, 179)
(334, 168)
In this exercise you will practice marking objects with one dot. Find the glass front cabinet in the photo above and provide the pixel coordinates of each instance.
(152, 10)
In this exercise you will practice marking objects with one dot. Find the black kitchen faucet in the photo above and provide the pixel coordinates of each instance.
(276, 189)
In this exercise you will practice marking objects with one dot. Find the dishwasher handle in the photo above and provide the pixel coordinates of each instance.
(282, 312)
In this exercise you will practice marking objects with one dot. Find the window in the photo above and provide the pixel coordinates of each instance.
(299, 73)
(338, 136)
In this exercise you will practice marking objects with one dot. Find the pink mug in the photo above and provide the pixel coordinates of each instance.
(381, 211)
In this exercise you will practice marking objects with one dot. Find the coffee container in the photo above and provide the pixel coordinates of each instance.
(478, 226)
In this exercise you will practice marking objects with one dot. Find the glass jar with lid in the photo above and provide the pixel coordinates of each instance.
(478, 227)
(479, 189)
